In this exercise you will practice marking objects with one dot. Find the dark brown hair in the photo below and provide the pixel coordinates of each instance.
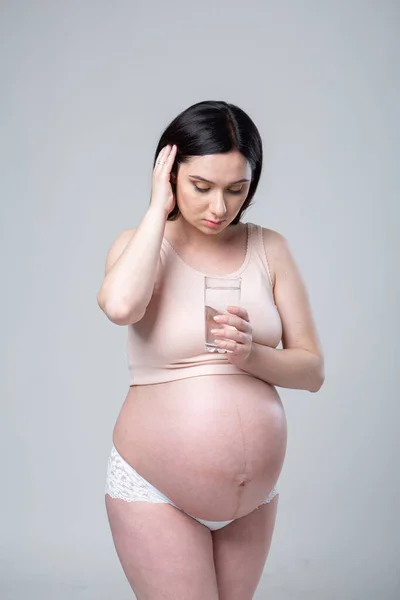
(212, 127)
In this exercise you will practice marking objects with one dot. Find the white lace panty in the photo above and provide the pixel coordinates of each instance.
(124, 482)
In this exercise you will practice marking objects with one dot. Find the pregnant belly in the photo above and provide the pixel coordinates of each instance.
(215, 445)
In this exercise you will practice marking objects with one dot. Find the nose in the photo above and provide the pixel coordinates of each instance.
(218, 207)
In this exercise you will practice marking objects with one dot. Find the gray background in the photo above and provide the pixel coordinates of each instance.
(86, 89)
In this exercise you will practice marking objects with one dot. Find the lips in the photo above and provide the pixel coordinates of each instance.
(215, 222)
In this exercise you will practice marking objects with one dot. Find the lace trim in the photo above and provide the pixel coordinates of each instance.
(124, 482)
(271, 495)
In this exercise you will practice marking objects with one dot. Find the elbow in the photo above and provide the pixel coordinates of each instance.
(119, 318)
(317, 377)
(316, 385)
(119, 314)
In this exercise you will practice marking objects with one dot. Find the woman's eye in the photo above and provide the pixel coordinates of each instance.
(204, 190)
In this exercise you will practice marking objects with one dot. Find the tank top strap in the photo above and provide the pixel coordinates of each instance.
(256, 240)
(253, 237)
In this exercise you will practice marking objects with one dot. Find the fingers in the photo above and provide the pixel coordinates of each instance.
(238, 322)
(230, 334)
(240, 311)
(165, 159)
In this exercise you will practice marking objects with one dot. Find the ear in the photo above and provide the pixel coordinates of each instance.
(173, 177)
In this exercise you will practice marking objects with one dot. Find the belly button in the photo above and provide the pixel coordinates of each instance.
(242, 479)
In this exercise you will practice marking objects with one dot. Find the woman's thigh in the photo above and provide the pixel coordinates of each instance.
(240, 552)
(165, 554)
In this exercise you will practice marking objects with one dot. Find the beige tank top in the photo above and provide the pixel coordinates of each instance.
(168, 342)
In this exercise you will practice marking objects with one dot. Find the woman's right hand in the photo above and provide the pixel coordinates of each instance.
(162, 195)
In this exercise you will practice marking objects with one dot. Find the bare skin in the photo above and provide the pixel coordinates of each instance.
(214, 444)
(227, 443)
(167, 554)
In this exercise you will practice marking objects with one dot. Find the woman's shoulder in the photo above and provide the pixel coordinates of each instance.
(276, 248)
(274, 240)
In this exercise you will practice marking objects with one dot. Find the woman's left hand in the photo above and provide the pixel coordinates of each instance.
(237, 341)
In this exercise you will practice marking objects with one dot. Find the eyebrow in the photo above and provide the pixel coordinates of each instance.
(208, 181)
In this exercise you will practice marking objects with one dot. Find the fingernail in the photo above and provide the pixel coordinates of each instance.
(218, 317)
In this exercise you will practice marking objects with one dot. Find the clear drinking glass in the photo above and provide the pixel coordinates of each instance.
(219, 293)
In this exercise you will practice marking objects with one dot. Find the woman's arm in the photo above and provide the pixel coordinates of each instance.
(293, 368)
(131, 268)
(133, 260)
(300, 364)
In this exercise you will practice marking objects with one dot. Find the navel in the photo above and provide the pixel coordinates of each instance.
(242, 479)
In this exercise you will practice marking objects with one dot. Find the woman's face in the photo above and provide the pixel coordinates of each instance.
(213, 188)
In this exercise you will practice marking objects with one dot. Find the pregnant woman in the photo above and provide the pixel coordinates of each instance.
(200, 441)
